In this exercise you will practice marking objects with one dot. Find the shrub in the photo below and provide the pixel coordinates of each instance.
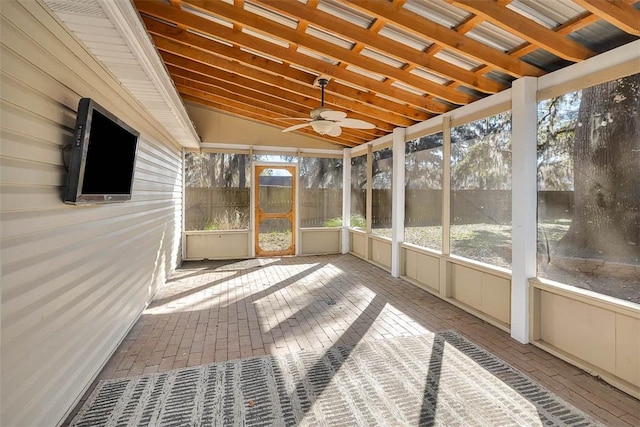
(357, 221)
(230, 220)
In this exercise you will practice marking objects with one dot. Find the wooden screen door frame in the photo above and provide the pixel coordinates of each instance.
(260, 215)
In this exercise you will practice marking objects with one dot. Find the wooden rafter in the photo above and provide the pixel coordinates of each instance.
(262, 109)
(446, 37)
(331, 50)
(250, 97)
(617, 12)
(525, 28)
(269, 84)
(261, 59)
(566, 28)
(256, 114)
(210, 54)
(398, 50)
(204, 26)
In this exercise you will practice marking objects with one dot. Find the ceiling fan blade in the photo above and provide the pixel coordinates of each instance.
(356, 124)
(295, 127)
(335, 130)
(333, 115)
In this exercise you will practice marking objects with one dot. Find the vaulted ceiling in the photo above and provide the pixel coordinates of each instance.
(389, 62)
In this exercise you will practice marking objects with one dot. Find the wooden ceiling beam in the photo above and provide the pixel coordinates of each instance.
(205, 63)
(267, 108)
(620, 14)
(230, 98)
(217, 87)
(230, 81)
(388, 46)
(567, 28)
(280, 31)
(255, 98)
(197, 97)
(445, 36)
(564, 29)
(218, 55)
(526, 29)
(213, 29)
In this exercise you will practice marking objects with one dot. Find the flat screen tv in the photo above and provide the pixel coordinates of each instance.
(103, 157)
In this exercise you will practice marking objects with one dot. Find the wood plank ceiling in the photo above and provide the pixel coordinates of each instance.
(389, 62)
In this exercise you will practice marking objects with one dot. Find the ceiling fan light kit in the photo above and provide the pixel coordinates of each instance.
(322, 126)
(326, 121)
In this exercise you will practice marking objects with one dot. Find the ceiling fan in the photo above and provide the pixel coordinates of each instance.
(326, 121)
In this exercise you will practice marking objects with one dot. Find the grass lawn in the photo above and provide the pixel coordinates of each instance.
(491, 244)
(488, 243)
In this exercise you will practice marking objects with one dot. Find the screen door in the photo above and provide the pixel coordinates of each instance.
(275, 210)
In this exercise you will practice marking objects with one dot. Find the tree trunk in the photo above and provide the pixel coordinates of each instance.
(242, 179)
(606, 164)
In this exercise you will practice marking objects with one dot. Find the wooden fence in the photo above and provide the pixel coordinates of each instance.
(203, 206)
(318, 205)
(422, 207)
(206, 205)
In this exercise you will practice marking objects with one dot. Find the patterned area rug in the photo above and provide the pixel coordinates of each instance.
(440, 379)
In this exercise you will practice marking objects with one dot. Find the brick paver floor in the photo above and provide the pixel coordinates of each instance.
(217, 311)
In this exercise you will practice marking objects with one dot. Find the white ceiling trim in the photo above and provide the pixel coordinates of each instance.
(170, 111)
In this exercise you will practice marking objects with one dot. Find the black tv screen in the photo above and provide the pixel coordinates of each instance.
(103, 157)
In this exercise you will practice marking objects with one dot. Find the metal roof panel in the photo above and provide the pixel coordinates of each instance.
(429, 76)
(437, 11)
(408, 88)
(262, 36)
(328, 37)
(369, 74)
(207, 16)
(547, 13)
(316, 55)
(457, 59)
(601, 36)
(404, 37)
(345, 13)
(271, 15)
(385, 59)
(545, 60)
(494, 36)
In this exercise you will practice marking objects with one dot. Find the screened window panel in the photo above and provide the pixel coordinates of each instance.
(423, 192)
(481, 190)
(320, 192)
(217, 191)
(381, 192)
(359, 192)
(589, 188)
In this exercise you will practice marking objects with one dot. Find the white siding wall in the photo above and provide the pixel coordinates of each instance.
(74, 279)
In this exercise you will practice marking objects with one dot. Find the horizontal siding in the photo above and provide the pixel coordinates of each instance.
(74, 279)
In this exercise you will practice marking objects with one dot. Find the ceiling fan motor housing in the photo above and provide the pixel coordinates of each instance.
(322, 82)
(326, 121)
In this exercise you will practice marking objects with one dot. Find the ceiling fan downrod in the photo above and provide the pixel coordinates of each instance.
(322, 83)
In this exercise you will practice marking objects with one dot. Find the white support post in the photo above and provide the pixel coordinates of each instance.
(446, 185)
(296, 196)
(446, 207)
(346, 199)
(369, 201)
(183, 246)
(397, 200)
(524, 202)
(252, 205)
